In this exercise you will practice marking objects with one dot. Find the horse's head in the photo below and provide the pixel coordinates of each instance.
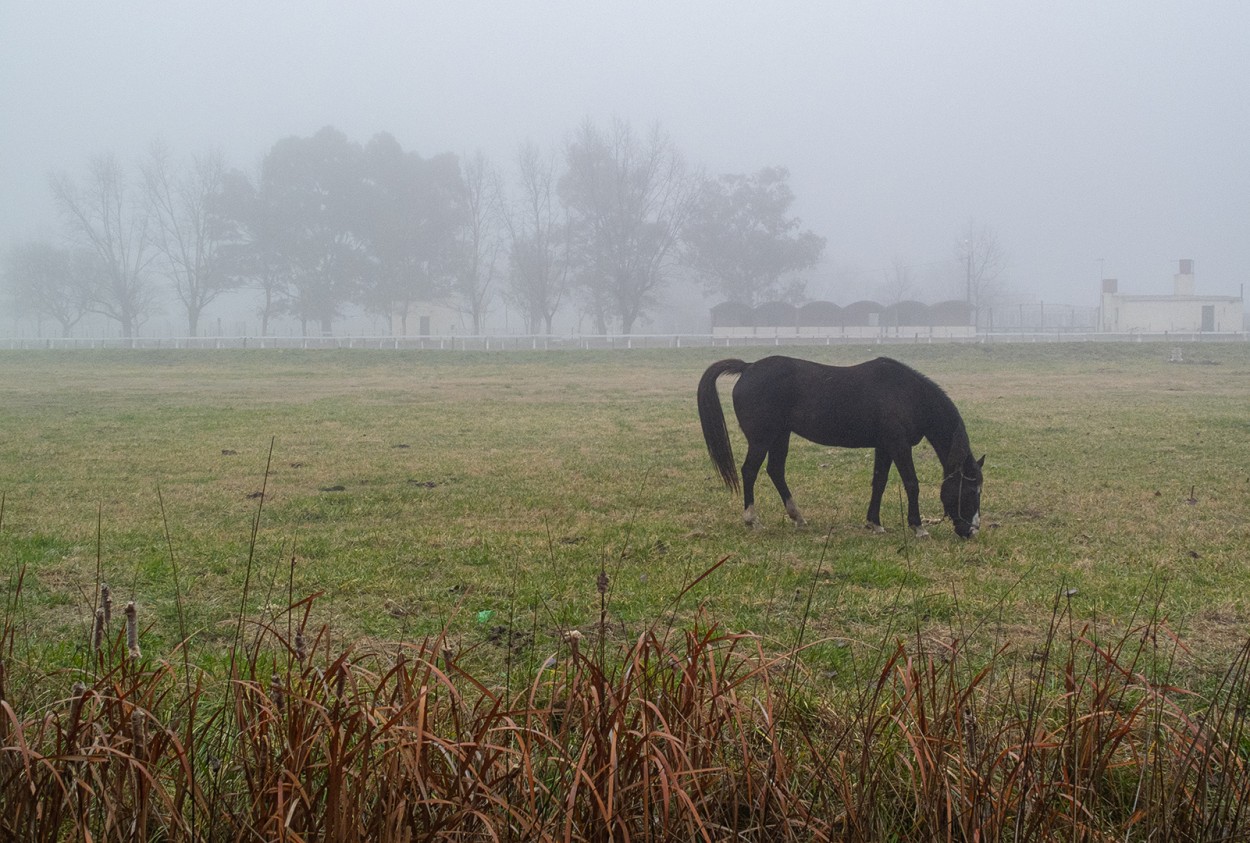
(961, 496)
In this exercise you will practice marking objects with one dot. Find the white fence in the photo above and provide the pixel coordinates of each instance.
(588, 342)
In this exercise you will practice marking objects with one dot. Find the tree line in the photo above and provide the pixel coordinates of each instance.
(604, 222)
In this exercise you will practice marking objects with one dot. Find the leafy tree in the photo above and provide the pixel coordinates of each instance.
(183, 233)
(249, 246)
(52, 281)
(538, 241)
(311, 187)
(628, 199)
(327, 222)
(741, 240)
(409, 218)
(105, 216)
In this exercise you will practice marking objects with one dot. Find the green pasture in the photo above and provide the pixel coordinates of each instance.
(485, 493)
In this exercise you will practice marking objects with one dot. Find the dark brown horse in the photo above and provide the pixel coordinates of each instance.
(881, 404)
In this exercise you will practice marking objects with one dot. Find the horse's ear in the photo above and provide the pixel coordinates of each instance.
(981, 462)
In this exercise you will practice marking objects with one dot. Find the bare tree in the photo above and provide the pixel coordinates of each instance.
(628, 199)
(982, 263)
(106, 217)
(480, 241)
(898, 282)
(538, 239)
(51, 281)
(183, 234)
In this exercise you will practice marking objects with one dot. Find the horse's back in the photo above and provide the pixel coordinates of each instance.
(877, 370)
(849, 406)
(765, 394)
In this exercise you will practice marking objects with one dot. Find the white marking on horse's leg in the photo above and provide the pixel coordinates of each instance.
(922, 533)
(874, 528)
(792, 509)
(750, 518)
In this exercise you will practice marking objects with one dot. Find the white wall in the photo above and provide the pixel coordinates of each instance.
(1159, 314)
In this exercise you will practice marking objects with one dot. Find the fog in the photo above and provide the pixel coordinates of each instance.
(1095, 140)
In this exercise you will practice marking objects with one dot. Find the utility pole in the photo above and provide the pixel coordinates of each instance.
(972, 309)
(1102, 274)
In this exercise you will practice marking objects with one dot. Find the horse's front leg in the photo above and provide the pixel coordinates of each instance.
(880, 474)
(907, 473)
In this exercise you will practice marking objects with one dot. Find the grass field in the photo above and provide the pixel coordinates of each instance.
(473, 491)
(352, 571)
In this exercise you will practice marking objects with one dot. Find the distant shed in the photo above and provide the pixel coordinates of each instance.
(819, 319)
(820, 314)
(863, 313)
(732, 316)
(859, 320)
(909, 313)
(955, 313)
(777, 318)
(1183, 312)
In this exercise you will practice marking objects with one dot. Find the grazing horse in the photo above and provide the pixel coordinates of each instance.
(881, 404)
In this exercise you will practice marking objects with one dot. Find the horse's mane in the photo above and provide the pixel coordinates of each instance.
(941, 402)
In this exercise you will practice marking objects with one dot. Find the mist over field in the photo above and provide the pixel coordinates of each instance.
(1064, 143)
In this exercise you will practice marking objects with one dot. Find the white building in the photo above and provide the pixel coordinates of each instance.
(1183, 312)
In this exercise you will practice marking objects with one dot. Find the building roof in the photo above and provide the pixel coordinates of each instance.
(1173, 299)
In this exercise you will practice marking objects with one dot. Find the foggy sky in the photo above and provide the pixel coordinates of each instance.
(1078, 131)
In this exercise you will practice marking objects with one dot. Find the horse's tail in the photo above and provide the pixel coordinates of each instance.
(712, 417)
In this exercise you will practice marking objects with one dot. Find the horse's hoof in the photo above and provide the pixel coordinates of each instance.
(922, 533)
(874, 528)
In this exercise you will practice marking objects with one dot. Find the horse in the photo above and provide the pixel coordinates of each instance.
(880, 404)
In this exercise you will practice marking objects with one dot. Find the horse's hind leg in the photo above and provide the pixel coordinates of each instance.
(880, 474)
(750, 470)
(777, 472)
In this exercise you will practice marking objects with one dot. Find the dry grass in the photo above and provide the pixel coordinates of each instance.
(678, 735)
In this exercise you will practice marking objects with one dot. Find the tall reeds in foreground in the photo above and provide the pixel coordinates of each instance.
(689, 734)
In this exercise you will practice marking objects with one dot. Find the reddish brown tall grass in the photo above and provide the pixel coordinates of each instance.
(695, 734)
